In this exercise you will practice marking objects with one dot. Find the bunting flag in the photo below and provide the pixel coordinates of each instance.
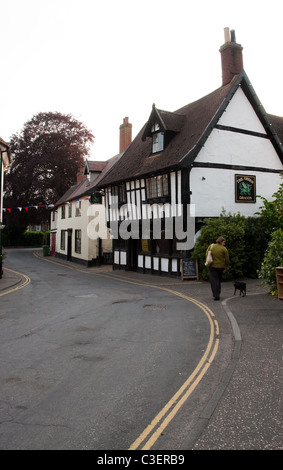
(27, 208)
(46, 206)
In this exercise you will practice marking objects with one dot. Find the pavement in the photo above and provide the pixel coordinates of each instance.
(244, 412)
(10, 279)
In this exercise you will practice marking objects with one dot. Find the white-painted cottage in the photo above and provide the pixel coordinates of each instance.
(71, 234)
(216, 153)
(72, 215)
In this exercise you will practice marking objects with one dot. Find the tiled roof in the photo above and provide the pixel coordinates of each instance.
(85, 187)
(73, 192)
(192, 124)
(277, 123)
(108, 166)
(168, 121)
(96, 166)
(196, 117)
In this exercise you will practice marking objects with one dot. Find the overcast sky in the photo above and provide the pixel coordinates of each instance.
(103, 60)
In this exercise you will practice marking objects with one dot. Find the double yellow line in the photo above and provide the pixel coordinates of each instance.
(26, 281)
(153, 431)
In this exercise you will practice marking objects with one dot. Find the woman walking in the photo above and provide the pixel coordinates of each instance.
(220, 262)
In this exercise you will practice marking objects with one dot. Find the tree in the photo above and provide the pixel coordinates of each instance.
(273, 256)
(46, 157)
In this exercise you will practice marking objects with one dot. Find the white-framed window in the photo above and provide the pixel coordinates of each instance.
(78, 208)
(70, 210)
(78, 241)
(63, 240)
(158, 142)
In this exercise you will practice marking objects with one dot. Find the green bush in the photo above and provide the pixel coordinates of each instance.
(272, 211)
(257, 237)
(232, 228)
(272, 259)
(47, 237)
(32, 238)
(14, 236)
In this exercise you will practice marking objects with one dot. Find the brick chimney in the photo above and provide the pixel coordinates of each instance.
(80, 175)
(125, 134)
(231, 56)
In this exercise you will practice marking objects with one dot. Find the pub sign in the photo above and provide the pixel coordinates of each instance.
(245, 190)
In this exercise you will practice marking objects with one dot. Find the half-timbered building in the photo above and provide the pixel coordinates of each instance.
(216, 153)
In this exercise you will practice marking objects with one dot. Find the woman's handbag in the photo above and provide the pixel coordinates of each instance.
(209, 258)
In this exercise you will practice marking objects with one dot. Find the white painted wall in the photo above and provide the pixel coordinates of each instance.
(213, 189)
(240, 114)
(217, 191)
(89, 247)
(233, 148)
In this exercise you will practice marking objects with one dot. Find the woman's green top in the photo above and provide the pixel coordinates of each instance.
(220, 256)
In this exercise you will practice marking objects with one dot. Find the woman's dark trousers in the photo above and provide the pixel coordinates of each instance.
(215, 281)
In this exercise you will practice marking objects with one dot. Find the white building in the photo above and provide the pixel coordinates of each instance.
(74, 235)
(216, 153)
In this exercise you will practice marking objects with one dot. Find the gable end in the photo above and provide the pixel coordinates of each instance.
(240, 81)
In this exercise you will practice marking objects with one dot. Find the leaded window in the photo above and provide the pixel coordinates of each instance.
(157, 186)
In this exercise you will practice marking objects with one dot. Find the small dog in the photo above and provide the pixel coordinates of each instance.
(241, 286)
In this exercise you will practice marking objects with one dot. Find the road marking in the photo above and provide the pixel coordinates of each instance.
(169, 411)
(27, 280)
(53, 261)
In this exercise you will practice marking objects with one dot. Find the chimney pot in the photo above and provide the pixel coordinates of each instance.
(226, 35)
(233, 35)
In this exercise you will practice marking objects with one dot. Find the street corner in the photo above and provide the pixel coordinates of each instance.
(9, 279)
(12, 280)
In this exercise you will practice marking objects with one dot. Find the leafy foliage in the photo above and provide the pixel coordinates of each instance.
(232, 228)
(257, 236)
(248, 240)
(272, 258)
(272, 212)
(16, 237)
(279, 203)
(46, 157)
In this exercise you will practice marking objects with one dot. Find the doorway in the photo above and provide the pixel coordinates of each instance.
(53, 244)
(69, 245)
(132, 254)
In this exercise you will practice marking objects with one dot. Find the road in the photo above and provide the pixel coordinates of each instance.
(92, 362)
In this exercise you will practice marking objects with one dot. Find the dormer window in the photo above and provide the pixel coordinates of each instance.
(162, 127)
(158, 142)
(155, 127)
